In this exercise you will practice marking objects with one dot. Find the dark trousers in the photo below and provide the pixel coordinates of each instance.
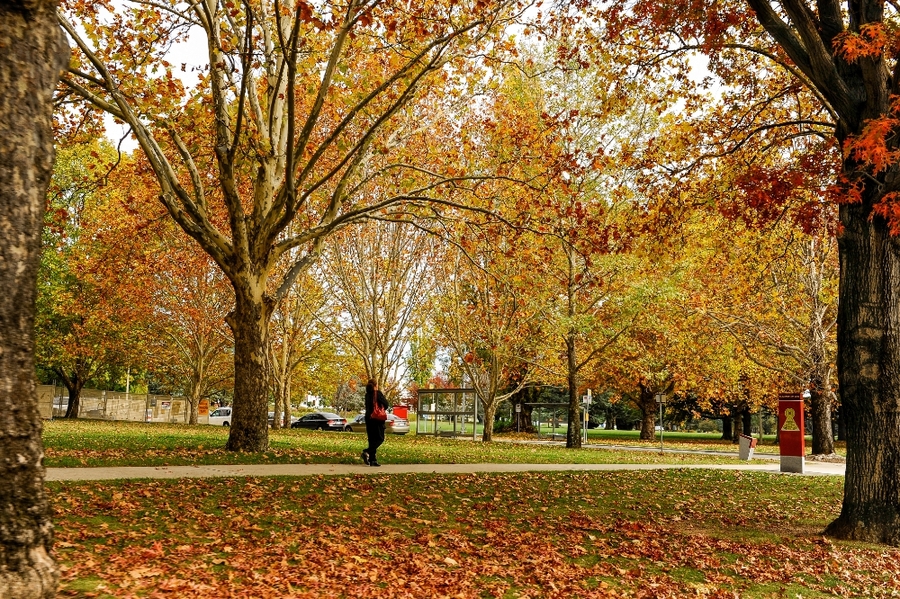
(375, 433)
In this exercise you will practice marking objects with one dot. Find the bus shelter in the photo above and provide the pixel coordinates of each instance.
(448, 413)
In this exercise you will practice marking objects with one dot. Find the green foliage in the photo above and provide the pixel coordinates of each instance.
(71, 321)
(420, 358)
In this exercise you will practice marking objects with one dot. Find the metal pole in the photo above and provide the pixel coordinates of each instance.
(661, 400)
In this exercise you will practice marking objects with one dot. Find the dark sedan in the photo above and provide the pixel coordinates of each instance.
(321, 421)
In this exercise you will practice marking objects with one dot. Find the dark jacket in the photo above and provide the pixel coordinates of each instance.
(370, 403)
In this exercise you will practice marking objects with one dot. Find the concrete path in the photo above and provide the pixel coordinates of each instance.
(89, 474)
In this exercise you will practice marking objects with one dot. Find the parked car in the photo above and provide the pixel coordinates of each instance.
(220, 417)
(393, 424)
(272, 418)
(321, 421)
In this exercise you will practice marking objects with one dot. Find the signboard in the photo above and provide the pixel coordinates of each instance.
(518, 407)
(203, 407)
(165, 405)
(791, 432)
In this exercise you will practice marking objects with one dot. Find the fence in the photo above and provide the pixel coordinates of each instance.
(114, 405)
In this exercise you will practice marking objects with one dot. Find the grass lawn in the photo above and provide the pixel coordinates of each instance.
(660, 534)
(93, 443)
(694, 441)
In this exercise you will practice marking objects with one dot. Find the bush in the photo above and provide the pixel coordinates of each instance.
(710, 426)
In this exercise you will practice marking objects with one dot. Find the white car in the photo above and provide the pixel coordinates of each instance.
(394, 424)
(220, 417)
(272, 418)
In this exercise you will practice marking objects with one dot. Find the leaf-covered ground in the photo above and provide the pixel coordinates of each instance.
(87, 443)
(681, 533)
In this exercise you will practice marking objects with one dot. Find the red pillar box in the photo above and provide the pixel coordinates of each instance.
(791, 432)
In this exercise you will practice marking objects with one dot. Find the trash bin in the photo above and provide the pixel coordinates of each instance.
(746, 446)
(401, 411)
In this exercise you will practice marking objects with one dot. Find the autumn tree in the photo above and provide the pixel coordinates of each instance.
(350, 396)
(487, 311)
(584, 212)
(780, 306)
(842, 57)
(420, 359)
(293, 115)
(297, 337)
(379, 277)
(34, 52)
(91, 301)
(189, 346)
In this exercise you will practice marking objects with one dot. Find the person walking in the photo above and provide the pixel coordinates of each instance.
(374, 422)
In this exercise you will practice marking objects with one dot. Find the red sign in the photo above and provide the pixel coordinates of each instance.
(791, 431)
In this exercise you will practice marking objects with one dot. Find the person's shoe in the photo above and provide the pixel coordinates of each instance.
(365, 457)
(374, 464)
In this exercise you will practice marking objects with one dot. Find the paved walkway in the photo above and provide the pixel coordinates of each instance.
(70, 474)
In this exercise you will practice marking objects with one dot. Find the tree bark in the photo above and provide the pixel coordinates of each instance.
(738, 426)
(249, 323)
(32, 53)
(649, 407)
(194, 404)
(524, 418)
(822, 433)
(868, 374)
(489, 412)
(859, 92)
(841, 425)
(727, 429)
(74, 384)
(573, 431)
(286, 406)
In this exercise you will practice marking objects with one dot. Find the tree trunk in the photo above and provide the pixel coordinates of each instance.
(727, 433)
(747, 422)
(74, 385)
(277, 416)
(250, 323)
(610, 419)
(841, 425)
(868, 374)
(649, 409)
(822, 433)
(648, 425)
(280, 377)
(33, 53)
(573, 431)
(194, 407)
(490, 410)
(286, 406)
(524, 418)
(738, 427)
